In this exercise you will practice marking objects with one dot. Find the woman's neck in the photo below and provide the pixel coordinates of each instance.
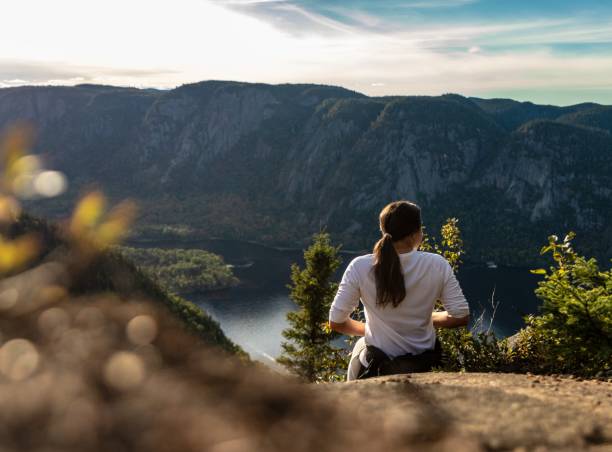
(403, 248)
(409, 243)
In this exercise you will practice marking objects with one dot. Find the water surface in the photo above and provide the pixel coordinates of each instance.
(253, 314)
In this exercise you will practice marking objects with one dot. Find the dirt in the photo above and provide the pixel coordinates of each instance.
(488, 411)
(100, 373)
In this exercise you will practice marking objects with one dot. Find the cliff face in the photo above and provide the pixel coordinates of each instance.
(276, 163)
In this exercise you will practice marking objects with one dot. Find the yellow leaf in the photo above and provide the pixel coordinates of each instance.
(16, 253)
(539, 271)
(88, 213)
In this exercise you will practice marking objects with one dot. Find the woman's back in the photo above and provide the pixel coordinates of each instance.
(407, 327)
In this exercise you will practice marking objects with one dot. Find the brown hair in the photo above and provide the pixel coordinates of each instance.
(397, 221)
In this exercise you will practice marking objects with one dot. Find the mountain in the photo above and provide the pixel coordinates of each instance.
(275, 163)
(599, 117)
(512, 114)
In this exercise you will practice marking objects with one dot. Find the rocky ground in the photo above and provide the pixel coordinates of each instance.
(480, 411)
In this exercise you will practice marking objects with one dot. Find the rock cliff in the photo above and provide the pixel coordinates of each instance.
(276, 163)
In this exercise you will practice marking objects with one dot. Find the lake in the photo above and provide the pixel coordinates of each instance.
(253, 314)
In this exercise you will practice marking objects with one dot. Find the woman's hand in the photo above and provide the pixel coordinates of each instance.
(442, 319)
(350, 327)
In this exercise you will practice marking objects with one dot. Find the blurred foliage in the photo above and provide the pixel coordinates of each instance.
(574, 332)
(15, 253)
(182, 270)
(95, 227)
(308, 351)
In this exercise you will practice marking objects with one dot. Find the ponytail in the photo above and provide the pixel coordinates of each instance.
(388, 274)
(398, 220)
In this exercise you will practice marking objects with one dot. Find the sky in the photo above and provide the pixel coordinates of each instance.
(557, 52)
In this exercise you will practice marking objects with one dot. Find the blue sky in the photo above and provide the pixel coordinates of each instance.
(557, 52)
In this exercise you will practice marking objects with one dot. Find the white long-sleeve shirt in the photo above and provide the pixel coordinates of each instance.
(407, 328)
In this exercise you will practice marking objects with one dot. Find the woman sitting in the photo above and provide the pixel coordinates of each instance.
(398, 286)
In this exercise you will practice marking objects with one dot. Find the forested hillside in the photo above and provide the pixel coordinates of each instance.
(275, 163)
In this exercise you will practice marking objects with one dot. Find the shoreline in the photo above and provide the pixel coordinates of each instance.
(186, 241)
(221, 239)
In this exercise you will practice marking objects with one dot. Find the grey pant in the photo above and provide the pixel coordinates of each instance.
(354, 364)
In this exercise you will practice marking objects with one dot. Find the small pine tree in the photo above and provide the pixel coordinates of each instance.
(308, 351)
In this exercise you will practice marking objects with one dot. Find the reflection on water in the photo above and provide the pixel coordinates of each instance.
(253, 314)
(255, 322)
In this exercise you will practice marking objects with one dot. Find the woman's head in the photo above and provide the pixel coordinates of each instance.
(400, 221)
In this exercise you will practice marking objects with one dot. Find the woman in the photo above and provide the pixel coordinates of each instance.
(398, 286)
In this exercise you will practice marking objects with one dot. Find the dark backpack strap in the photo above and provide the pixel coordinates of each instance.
(375, 358)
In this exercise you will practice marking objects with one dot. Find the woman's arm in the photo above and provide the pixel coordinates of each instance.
(442, 319)
(457, 310)
(345, 302)
(350, 327)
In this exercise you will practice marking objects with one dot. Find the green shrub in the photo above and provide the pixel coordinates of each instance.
(475, 349)
(574, 332)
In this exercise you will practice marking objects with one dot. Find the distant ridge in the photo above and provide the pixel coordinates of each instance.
(275, 163)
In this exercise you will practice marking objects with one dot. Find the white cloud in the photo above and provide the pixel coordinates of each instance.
(316, 19)
(149, 44)
(248, 2)
(437, 3)
(19, 72)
